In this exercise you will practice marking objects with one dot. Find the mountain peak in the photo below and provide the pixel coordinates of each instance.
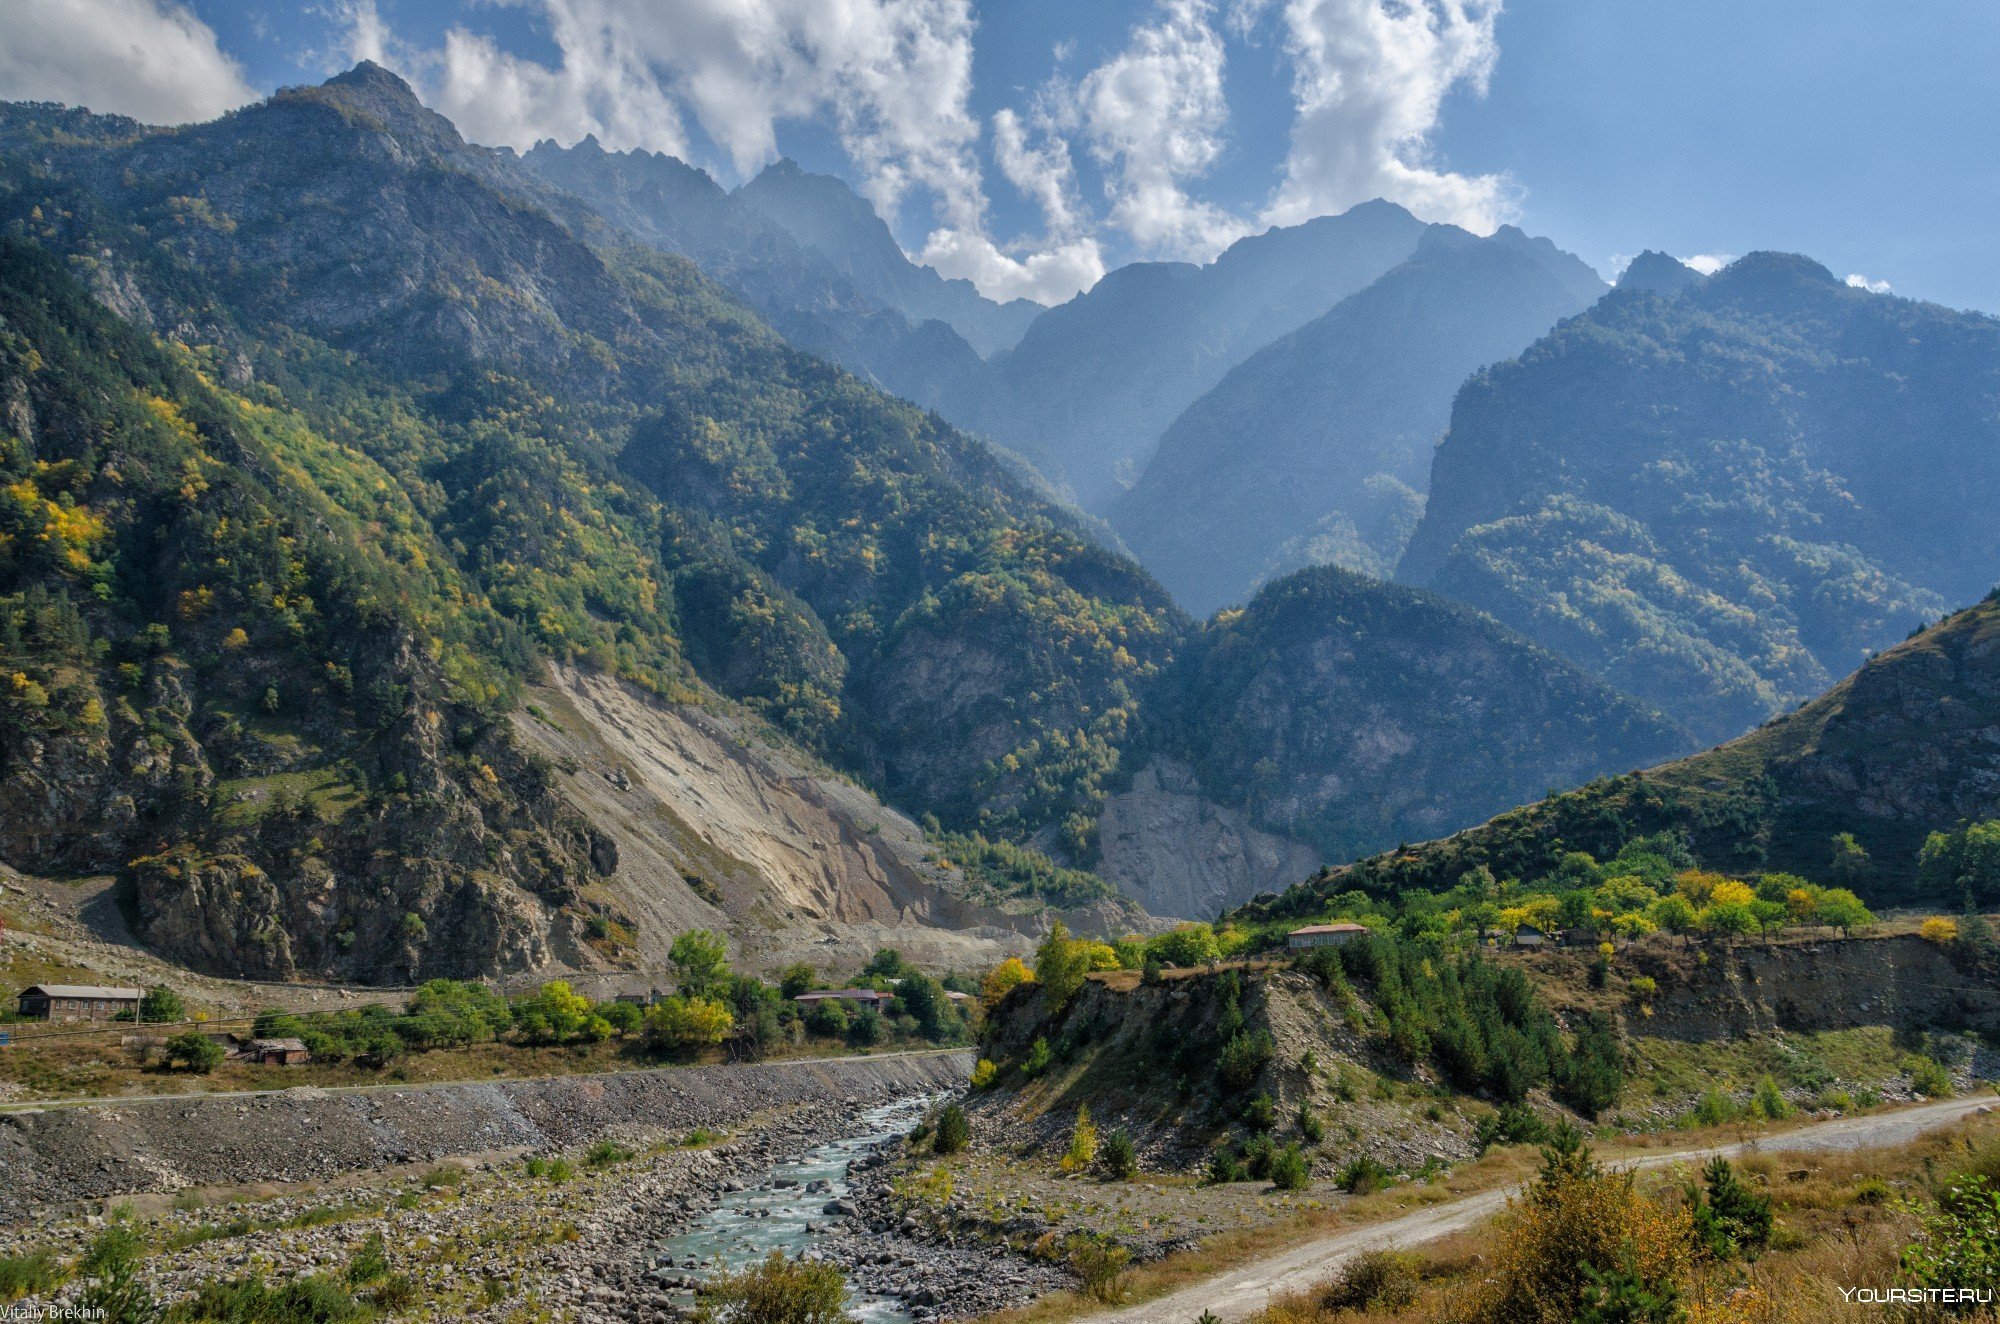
(1657, 273)
(383, 96)
(371, 77)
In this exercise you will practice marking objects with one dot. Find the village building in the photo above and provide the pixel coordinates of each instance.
(79, 1002)
(863, 997)
(1323, 935)
(277, 1052)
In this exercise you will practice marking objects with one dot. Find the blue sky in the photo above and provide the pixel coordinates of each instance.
(1032, 144)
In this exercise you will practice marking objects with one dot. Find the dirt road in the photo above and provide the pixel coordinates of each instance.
(1244, 1291)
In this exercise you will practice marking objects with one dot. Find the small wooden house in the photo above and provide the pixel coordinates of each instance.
(277, 1052)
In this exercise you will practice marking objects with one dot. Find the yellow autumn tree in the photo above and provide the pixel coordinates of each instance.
(1003, 979)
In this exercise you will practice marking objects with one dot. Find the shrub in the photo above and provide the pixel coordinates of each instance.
(1373, 1280)
(1730, 1219)
(1099, 1264)
(1582, 1241)
(113, 1293)
(1121, 1158)
(314, 1299)
(865, 1029)
(1714, 1108)
(1514, 1124)
(1242, 1058)
(1767, 1101)
(954, 1132)
(197, 1052)
(984, 1074)
(561, 1170)
(1643, 987)
(1037, 1060)
(1289, 1169)
(1258, 1151)
(776, 1291)
(1260, 1114)
(1224, 1167)
(1939, 929)
(398, 1292)
(370, 1261)
(1929, 1078)
(1082, 1150)
(30, 1275)
(1363, 1176)
(1310, 1125)
(605, 1154)
(1958, 1244)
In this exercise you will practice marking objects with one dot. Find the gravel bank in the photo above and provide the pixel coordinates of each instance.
(56, 1157)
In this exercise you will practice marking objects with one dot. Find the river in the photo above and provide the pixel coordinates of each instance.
(778, 1212)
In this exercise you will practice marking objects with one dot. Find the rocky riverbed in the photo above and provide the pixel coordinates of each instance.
(599, 1238)
(67, 1157)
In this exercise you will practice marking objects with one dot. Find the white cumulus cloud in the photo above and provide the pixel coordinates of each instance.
(1154, 116)
(150, 59)
(1046, 274)
(1861, 282)
(1370, 78)
(1708, 263)
(892, 77)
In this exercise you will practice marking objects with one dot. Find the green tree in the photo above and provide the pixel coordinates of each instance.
(1673, 913)
(623, 1017)
(864, 1028)
(1121, 1157)
(1849, 865)
(797, 979)
(1839, 908)
(161, 1006)
(112, 1290)
(1082, 1151)
(1060, 965)
(701, 960)
(197, 1052)
(1290, 1171)
(1962, 866)
(954, 1132)
(1730, 1220)
(1187, 945)
(686, 1024)
(1728, 919)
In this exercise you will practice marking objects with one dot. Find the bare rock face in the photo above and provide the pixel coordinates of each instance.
(1808, 987)
(715, 827)
(1176, 852)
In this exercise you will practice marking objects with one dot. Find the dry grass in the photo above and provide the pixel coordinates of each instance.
(1233, 1248)
(1843, 1217)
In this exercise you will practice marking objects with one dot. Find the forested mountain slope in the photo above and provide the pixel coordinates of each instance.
(1353, 714)
(1317, 448)
(365, 438)
(1906, 746)
(1721, 498)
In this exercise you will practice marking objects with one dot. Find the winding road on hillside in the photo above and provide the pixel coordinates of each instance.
(1244, 1291)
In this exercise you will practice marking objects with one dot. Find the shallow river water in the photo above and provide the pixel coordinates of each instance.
(775, 1213)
